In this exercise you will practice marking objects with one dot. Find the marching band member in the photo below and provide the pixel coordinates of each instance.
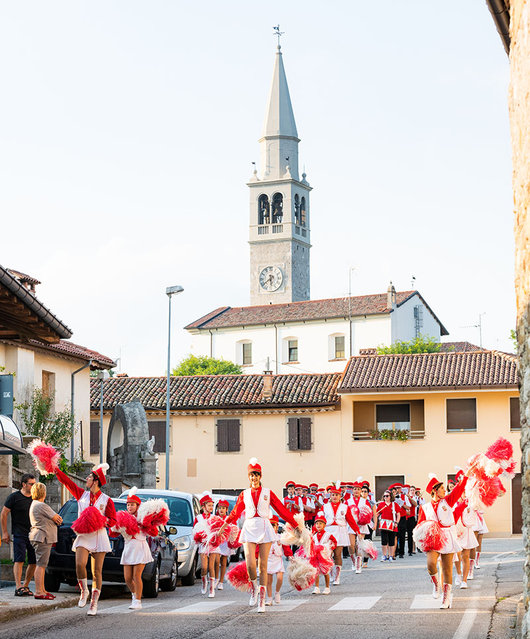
(480, 530)
(354, 503)
(96, 543)
(440, 510)
(292, 501)
(365, 495)
(221, 510)
(338, 517)
(257, 501)
(309, 507)
(466, 520)
(324, 538)
(388, 514)
(207, 559)
(275, 564)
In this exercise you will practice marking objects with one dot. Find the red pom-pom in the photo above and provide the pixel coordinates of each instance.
(489, 490)
(199, 537)
(45, 457)
(127, 523)
(238, 577)
(365, 515)
(321, 559)
(368, 548)
(501, 449)
(152, 514)
(429, 535)
(89, 521)
(216, 538)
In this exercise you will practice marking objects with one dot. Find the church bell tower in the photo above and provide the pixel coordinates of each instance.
(279, 235)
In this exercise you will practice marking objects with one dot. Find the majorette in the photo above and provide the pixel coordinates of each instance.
(275, 564)
(207, 559)
(92, 537)
(436, 532)
(257, 501)
(322, 537)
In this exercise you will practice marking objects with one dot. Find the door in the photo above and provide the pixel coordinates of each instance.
(517, 510)
(382, 482)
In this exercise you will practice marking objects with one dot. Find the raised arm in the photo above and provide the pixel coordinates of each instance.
(453, 497)
(236, 510)
(282, 510)
(70, 485)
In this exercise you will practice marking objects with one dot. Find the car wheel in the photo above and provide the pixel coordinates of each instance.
(151, 586)
(52, 582)
(168, 585)
(189, 579)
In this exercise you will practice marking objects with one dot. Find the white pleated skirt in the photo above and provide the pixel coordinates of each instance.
(224, 550)
(257, 530)
(136, 551)
(94, 542)
(275, 565)
(466, 537)
(340, 533)
(481, 528)
(452, 543)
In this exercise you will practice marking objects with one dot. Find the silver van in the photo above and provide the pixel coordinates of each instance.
(183, 508)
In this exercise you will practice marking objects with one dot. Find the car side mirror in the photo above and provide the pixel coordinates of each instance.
(171, 530)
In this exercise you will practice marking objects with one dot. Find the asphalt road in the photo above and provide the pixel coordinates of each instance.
(387, 601)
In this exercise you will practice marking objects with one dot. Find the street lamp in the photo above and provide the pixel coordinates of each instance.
(102, 376)
(170, 291)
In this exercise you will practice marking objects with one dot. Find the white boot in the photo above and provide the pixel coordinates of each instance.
(131, 607)
(204, 586)
(254, 593)
(220, 585)
(463, 585)
(353, 562)
(326, 591)
(83, 598)
(211, 591)
(470, 576)
(337, 576)
(435, 586)
(358, 565)
(136, 605)
(261, 601)
(277, 598)
(458, 579)
(93, 610)
(268, 601)
(477, 557)
(447, 599)
(316, 590)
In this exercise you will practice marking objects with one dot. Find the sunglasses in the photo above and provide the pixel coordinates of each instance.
(386, 495)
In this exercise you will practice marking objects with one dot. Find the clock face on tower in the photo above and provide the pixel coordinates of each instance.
(271, 278)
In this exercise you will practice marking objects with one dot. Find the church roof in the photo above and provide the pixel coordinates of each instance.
(430, 371)
(210, 392)
(279, 118)
(333, 308)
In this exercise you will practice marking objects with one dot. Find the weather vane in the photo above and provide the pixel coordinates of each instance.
(278, 33)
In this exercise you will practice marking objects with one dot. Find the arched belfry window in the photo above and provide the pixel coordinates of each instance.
(277, 208)
(296, 209)
(264, 215)
(302, 212)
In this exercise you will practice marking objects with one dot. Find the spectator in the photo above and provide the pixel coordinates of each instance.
(18, 504)
(43, 534)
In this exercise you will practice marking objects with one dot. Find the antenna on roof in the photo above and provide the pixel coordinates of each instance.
(278, 33)
(479, 326)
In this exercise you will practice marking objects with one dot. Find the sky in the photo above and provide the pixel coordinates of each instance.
(127, 132)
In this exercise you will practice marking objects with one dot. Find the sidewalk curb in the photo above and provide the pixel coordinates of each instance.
(31, 609)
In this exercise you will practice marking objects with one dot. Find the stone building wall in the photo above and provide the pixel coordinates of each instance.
(519, 105)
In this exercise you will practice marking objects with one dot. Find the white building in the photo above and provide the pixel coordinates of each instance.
(283, 330)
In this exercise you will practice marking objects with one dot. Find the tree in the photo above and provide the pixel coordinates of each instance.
(41, 421)
(421, 344)
(513, 337)
(193, 365)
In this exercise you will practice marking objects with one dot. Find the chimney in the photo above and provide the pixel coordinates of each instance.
(267, 382)
(390, 297)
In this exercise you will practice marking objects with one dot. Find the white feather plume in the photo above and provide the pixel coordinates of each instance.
(104, 467)
(431, 475)
(360, 478)
(132, 491)
(253, 461)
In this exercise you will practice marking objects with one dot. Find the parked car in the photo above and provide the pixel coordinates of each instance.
(161, 573)
(183, 508)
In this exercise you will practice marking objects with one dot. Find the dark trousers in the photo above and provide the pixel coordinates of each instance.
(411, 524)
(402, 531)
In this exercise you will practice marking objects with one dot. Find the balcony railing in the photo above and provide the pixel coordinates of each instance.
(263, 230)
(388, 435)
(277, 228)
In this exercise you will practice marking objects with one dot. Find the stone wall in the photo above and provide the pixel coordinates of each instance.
(519, 105)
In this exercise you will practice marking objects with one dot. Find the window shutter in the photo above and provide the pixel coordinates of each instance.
(222, 435)
(158, 429)
(305, 433)
(515, 416)
(94, 438)
(293, 433)
(233, 435)
(462, 414)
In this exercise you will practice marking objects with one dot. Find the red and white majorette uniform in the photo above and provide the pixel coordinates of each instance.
(388, 515)
(276, 555)
(466, 520)
(442, 512)
(97, 541)
(135, 549)
(354, 504)
(223, 548)
(257, 505)
(481, 528)
(324, 538)
(338, 518)
(199, 524)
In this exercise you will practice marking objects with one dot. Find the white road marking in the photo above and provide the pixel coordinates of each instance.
(425, 602)
(124, 608)
(288, 605)
(355, 603)
(203, 606)
(462, 632)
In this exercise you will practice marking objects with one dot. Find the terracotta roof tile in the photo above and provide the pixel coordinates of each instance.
(430, 371)
(227, 316)
(459, 347)
(218, 391)
(75, 350)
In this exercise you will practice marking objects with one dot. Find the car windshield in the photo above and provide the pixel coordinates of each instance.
(180, 513)
(69, 512)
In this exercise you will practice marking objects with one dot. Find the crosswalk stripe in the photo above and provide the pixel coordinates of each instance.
(124, 608)
(355, 603)
(203, 606)
(287, 605)
(425, 602)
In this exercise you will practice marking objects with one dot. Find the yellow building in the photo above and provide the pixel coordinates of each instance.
(386, 418)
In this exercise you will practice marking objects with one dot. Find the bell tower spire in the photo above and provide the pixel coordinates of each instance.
(279, 203)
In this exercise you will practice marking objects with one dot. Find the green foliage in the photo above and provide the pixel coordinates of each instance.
(41, 421)
(513, 337)
(388, 434)
(421, 344)
(203, 365)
